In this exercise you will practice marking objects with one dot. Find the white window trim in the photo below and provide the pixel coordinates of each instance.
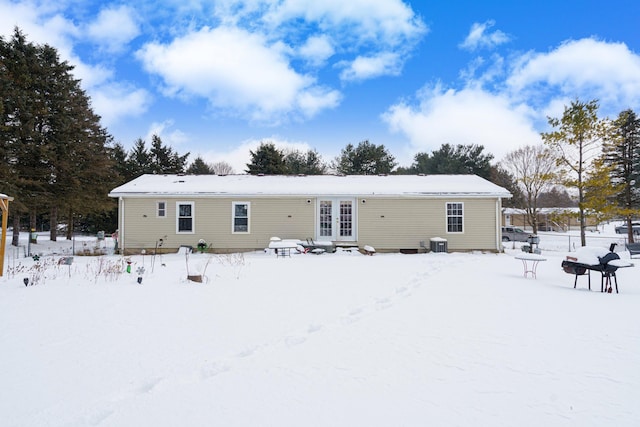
(446, 217)
(233, 218)
(158, 209)
(193, 218)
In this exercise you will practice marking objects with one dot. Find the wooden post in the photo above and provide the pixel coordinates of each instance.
(4, 205)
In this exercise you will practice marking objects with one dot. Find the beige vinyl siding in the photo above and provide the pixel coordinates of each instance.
(402, 223)
(287, 218)
(384, 223)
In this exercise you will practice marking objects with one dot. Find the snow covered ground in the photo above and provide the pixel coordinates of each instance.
(317, 340)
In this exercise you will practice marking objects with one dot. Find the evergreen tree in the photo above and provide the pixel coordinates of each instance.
(365, 159)
(555, 198)
(504, 179)
(199, 167)
(461, 159)
(621, 153)
(309, 163)
(118, 156)
(164, 160)
(267, 160)
(24, 174)
(139, 160)
(80, 168)
(52, 140)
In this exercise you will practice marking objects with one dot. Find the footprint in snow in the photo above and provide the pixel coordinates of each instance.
(148, 386)
(401, 290)
(213, 369)
(247, 352)
(383, 303)
(293, 341)
(314, 328)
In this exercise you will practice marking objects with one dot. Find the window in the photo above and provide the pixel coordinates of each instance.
(455, 217)
(241, 217)
(184, 217)
(161, 209)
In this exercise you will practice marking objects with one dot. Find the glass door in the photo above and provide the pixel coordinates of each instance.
(345, 220)
(336, 219)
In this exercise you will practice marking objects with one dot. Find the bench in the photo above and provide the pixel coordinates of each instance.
(633, 248)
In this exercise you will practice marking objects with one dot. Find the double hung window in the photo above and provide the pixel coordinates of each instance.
(240, 217)
(455, 217)
(161, 209)
(184, 217)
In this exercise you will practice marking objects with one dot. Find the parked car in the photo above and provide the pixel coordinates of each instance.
(514, 234)
(635, 226)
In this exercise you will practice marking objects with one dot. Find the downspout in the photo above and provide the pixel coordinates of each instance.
(121, 233)
(499, 247)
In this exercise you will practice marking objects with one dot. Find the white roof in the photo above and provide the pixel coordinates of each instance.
(309, 185)
(542, 211)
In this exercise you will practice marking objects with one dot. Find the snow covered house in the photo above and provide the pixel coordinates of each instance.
(243, 212)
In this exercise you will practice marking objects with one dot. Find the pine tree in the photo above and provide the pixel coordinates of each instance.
(365, 159)
(309, 163)
(461, 159)
(163, 160)
(199, 167)
(621, 153)
(139, 159)
(24, 173)
(55, 148)
(267, 160)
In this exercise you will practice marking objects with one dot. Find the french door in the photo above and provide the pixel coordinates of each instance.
(336, 219)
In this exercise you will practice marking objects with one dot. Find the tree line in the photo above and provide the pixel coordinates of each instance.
(59, 163)
(597, 158)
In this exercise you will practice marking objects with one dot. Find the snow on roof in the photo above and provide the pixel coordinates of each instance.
(542, 211)
(310, 185)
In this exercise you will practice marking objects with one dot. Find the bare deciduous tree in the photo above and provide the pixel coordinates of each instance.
(533, 167)
(222, 168)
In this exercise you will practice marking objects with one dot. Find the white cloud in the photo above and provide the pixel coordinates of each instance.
(506, 107)
(381, 34)
(40, 24)
(586, 68)
(468, 116)
(317, 49)
(44, 23)
(480, 37)
(391, 22)
(114, 101)
(366, 67)
(316, 99)
(237, 71)
(114, 27)
(170, 137)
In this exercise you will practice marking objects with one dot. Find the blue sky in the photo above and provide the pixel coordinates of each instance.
(215, 78)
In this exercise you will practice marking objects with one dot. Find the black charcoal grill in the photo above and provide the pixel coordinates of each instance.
(607, 271)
